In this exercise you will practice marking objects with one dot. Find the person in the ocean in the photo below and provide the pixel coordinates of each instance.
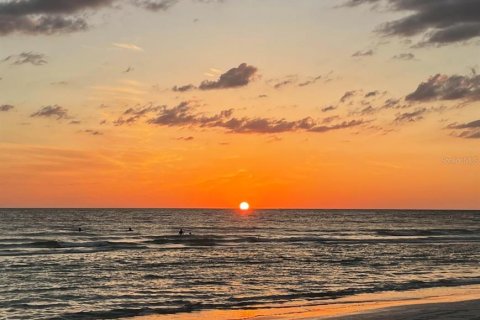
(180, 233)
(79, 229)
(130, 229)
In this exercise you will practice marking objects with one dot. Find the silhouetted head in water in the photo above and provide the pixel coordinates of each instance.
(130, 229)
(79, 229)
(180, 232)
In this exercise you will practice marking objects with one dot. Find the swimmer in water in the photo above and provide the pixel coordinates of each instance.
(180, 233)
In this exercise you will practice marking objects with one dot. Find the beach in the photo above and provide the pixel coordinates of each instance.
(434, 303)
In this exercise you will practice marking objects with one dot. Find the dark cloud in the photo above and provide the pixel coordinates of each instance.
(132, 115)
(343, 125)
(185, 114)
(443, 87)
(438, 21)
(233, 78)
(404, 56)
(45, 16)
(189, 138)
(93, 132)
(372, 94)
(48, 17)
(470, 125)
(185, 88)
(129, 69)
(393, 103)
(309, 82)
(289, 80)
(6, 107)
(40, 25)
(347, 95)
(36, 59)
(413, 116)
(363, 53)
(28, 7)
(328, 108)
(471, 130)
(156, 5)
(54, 111)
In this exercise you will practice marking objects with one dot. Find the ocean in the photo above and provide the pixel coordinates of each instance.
(50, 270)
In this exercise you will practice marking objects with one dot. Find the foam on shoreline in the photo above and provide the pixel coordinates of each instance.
(440, 301)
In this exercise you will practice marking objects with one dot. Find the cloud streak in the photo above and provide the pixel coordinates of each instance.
(185, 115)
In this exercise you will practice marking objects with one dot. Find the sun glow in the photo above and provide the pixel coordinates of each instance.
(244, 206)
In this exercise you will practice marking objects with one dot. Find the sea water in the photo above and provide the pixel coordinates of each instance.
(50, 270)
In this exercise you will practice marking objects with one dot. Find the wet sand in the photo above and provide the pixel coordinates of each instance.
(435, 303)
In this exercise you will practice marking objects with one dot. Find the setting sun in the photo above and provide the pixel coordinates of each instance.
(244, 206)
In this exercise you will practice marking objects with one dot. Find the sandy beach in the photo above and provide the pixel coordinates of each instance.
(436, 303)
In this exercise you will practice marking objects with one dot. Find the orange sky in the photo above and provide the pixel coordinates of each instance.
(304, 106)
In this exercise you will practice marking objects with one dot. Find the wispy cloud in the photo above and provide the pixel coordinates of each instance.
(128, 46)
(36, 59)
(54, 111)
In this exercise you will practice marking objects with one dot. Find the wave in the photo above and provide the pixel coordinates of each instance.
(256, 302)
(56, 244)
(425, 232)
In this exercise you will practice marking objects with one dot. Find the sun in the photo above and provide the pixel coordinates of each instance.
(244, 206)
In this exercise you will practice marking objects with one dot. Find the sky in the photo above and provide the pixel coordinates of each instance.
(204, 104)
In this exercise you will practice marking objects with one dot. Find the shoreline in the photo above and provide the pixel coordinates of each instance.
(462, 302)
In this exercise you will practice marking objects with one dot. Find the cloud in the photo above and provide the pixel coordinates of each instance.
(444, 87)
(45, 16)
(132, 115)
(372, 94)
(471, 129)
(309, 82)
(156, 5)
(347, 95)
(439, 22)
(404, 56)
(233, 78)
(364, 53)
(328, 108)
(128, 46)
(36, 59)
(93, 132)
(48, 17)
(189, 138)
(185, 88)
(470, 125)
(129, 69)
(283, 82)
(413, 116)
(54, 111)
(184, 114)
(6, 107)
